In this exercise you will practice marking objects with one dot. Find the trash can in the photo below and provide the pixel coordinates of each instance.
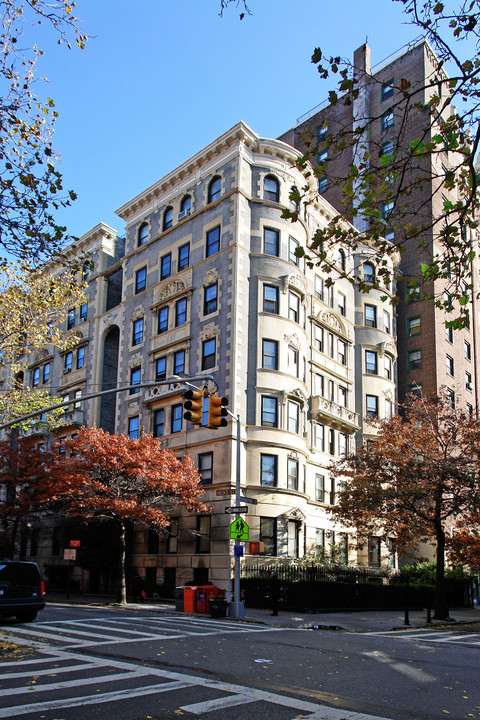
(179, 603)
(218, 607)
(189, 594)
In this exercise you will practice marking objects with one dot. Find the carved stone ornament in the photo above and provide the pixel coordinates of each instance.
(210, 330)
(388, 395)
(293, 455)
(294, 514)
(40, 355)
(111, 318)
(173, 288)
(387, 347)
(297, 394)
(138, 313)
(135, 360)
(210, 277)
(331, 320)
(293, 280)
(292, 340)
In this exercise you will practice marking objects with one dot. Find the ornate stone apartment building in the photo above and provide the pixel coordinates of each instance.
(206, 282)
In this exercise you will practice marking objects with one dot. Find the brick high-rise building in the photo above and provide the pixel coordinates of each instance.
(430, 355)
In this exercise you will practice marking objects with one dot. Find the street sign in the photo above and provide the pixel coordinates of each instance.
(237, 509)
(69, 554)
(74, 543)
(226, 491)
(238, 550)
(239, 530)
(252, 501)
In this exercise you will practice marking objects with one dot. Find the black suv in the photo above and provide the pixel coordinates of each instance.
(22, 590)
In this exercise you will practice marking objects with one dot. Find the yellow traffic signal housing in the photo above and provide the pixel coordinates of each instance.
(217, 412)
(256, 547)
(194, 406)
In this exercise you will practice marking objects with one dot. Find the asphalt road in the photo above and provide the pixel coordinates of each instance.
(76, 663)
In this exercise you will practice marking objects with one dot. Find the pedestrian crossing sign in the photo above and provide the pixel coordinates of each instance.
(239, 529)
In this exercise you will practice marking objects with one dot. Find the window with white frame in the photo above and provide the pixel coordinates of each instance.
(293, 245)
(270, 354)
(319, 287)
(371, 362)
(319, 487)
(387, 367)
(294, 307)
(268, 470)
(269, 416)
(270, 299)
(292, 474)
(293, 421)
(319, 437)
(319, 338)
(271, 241)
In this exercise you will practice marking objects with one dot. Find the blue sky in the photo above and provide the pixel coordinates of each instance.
(160, 79)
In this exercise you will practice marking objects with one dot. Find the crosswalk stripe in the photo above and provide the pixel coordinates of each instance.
(92, 699)
(50, 671)
(218, 704)
(62, 685)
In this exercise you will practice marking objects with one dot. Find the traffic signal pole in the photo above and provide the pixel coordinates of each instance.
(237, 608)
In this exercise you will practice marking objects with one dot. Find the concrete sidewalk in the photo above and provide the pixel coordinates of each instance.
(361, 621)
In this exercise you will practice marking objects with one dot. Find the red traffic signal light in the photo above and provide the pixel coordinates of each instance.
(194, 406)
(217, 412)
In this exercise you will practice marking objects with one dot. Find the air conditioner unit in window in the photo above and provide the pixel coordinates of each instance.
(67, 370)
(183, 214)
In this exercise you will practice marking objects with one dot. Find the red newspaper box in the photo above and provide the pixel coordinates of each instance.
(204, 594)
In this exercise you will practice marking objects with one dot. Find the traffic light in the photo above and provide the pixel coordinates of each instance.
(256, 547)
(217, 412)
(194, 406)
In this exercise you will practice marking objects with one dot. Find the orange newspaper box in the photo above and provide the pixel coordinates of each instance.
(189, 598)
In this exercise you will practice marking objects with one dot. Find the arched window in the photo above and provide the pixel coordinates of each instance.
(143, 234)
(214, 189)
(341, 260)
(185, 207)
(168, 218)
(368, 272)
(271, 188)
(87, 266)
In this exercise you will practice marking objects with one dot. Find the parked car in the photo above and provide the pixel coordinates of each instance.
(22, 590)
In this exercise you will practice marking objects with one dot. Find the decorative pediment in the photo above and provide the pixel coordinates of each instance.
(295, 280)
(292, 340)
(331, 319)
(170, 289)
(387, 347)
(40, 355)
(294, 514)
(296, 394)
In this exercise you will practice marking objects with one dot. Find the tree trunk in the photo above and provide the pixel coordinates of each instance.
(441, 606)
(121, 584)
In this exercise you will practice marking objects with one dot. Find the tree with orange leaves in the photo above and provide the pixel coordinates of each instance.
(463, 547)
(23, 471)
(419, 477)
(100, 476)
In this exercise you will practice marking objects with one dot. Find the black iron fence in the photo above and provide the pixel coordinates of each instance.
(320, 587)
